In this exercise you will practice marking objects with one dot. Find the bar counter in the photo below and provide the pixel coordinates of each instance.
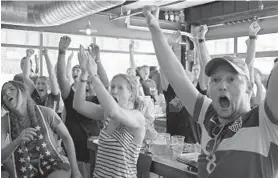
(167, 168)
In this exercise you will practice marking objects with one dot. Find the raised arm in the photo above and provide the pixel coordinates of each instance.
(169, 64)
(132, 63)
(52, 76)
(95, 52)
(69, 68)
(129, 118)
(272, 96)
(61, 67)
(37, 61)
(173, 40)
(86, 108)
(27, 71)
(251, 48)
(202, 52)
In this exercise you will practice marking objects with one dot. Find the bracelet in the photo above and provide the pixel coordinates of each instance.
(62, 52)
(83, 80)
(253, 37)
(97, 61)
(201, 40)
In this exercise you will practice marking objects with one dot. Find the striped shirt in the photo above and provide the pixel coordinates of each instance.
(117, 154)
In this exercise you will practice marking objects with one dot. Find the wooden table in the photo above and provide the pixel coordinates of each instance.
(169, 168)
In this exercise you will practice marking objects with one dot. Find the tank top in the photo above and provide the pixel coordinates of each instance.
(117, 154)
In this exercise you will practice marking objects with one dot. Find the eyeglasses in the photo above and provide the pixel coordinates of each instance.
(214, 142)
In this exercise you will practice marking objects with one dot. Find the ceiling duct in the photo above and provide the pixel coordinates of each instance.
(51, 13)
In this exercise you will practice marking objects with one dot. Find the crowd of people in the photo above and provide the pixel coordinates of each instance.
(221, 103)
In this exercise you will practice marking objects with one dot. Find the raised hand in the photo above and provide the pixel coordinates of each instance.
(44, 51)
(64, 43)
(131, 46)
(82, 58)
(91, 65)
(202, 31)
(29, 52)
(175, 38)
(94, 51)
(254, 28)
(151, 13)
(27, 135)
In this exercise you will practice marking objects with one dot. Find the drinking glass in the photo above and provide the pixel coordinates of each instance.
(159, 145)
(177, 143)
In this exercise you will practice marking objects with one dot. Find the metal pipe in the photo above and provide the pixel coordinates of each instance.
(141, 11)
(52, 13)
(163, 30)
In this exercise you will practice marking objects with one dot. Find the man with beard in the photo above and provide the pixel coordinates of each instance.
(79, 126)
(236, 141)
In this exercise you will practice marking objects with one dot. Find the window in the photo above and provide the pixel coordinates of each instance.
(114, 63)
(114, 44)
(267, 42)
(52, 39)
(143, 46)
(10, 62)
(222, 46)
(149, 60)
(265, 64)
(20, 37)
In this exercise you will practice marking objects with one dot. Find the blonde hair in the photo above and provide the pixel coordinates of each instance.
(16, 128)
(132, 86)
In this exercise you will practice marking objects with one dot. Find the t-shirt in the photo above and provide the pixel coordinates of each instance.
(178, 119)
(52, 101)
(80, 127)
(249, 146)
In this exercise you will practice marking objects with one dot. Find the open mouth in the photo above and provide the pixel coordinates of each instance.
(224, 101)
(87, 90)
(41, 90)
(10, 99)
(75, 77)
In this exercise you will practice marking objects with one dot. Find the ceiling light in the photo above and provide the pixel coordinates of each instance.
(88, 31)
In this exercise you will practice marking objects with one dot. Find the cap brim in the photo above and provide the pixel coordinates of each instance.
(216, 62)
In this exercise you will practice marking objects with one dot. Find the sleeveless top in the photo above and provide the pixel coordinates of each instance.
(44, 158)
(117, 154)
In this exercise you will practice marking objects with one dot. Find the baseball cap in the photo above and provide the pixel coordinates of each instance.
(237, 64)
